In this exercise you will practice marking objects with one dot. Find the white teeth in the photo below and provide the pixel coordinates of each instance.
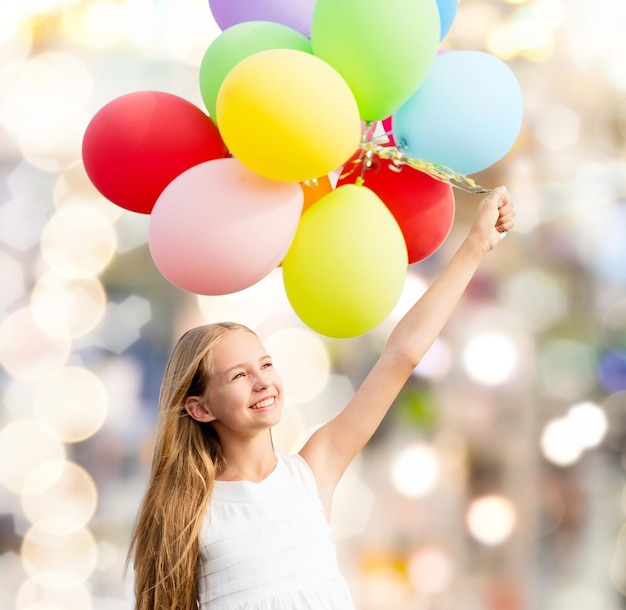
(263, 403)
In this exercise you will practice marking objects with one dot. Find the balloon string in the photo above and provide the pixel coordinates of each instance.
(369, 149)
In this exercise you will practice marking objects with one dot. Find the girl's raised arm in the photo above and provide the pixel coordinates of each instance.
(330, 449)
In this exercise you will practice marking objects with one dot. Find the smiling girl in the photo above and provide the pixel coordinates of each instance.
(226, 523)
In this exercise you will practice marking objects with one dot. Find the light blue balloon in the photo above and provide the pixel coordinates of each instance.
(466, 115)
(447, 13)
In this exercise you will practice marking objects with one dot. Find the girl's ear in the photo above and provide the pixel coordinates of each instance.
(198, 410)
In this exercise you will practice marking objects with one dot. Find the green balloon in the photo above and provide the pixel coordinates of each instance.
(236, 44)
(383, 50)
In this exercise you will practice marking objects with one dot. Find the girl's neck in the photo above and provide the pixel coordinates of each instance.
(250, 461)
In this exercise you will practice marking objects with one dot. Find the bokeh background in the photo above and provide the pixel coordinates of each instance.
(497, 482)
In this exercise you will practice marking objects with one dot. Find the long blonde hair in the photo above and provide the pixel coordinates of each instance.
(187, 457)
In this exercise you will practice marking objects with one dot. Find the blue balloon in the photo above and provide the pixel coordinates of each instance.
(447, 13)
(466, 115)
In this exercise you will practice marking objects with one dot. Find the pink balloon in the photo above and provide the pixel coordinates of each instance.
(387, 126)
(219, 227)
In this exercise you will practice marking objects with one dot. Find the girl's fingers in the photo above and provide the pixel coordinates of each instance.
(506, 213)
(505, 223)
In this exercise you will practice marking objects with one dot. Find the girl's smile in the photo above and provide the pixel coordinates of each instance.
(242, 381)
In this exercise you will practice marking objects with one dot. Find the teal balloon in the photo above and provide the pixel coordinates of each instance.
(237, 43)
(447, 13)
(383, 49)
(466, 115)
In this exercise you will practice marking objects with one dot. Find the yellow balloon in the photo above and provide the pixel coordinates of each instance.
(288, 115)
(347, 264)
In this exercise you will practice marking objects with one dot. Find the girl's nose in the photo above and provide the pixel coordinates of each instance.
(260, 383)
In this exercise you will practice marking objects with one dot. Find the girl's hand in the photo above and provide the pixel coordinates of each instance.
(495, 218)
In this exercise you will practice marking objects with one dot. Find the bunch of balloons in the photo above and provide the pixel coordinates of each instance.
(294, 92)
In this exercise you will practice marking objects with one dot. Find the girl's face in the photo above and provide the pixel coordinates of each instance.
(245, 392)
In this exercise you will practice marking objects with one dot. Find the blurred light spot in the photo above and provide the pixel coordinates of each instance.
(16, 35)
(491, 519)
(490, 358)
(575, 595)
(566, 369)
(436, 361)
(557, 127)
(617, 569)
(616, 72)
(612, 371)
(522, 37)
(109, 556)
(301, 360)
(21, 218)
(594, 34)
(430, 570)
(536, 295)
(614, 406)
(352, 492)
(13, 285)
(614, 326)
(530, 31)
(608, 248)
(452, 448)
(45, 592)
(43, 103)
(96, 24)
(68, 308)
(59, 148)
(78, 241)
(74, 185)
(478, 19)
(589, 424)
(250, 307)
(17, 398)
(59, 545)
(384, 583)
(24, 445)
(26, 352)
(414, 287)
(293, 431)
(559, 442)
(524, 187)
(122, 378)
(122, 324)
(132, 231)
(43, 477)
(73, 403)
(415, 470)
(333, 398)
(144, 26)
(35, 8)
(59, 489)
(190, 29)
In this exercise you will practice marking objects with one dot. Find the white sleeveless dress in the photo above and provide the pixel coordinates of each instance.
(268, 546)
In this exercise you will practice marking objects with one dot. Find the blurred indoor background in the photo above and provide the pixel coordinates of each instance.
(497, 482)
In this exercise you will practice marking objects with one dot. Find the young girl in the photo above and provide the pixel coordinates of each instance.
(226, 523)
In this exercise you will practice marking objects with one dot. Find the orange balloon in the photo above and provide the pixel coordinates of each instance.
(315, 191)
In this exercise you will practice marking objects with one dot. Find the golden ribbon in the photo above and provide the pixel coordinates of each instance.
(369, 150)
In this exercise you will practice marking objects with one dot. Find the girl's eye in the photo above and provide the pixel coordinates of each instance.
(238, 375)
(267, 365)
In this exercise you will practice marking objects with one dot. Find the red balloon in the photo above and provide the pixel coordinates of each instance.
(421, 205)
(138, 143)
